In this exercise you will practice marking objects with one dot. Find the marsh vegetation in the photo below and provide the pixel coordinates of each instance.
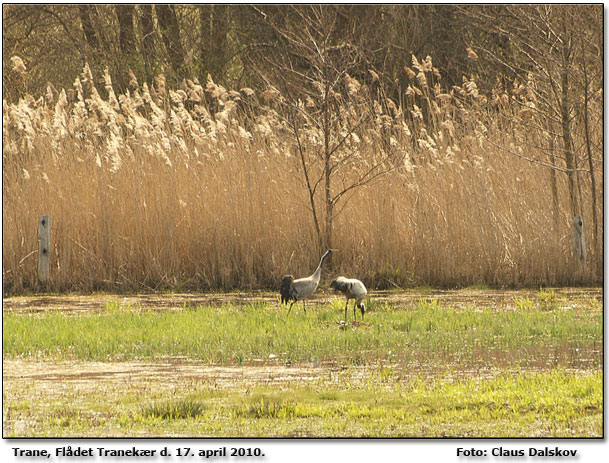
(519, 364)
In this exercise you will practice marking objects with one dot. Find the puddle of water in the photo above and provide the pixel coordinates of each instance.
(482, 363)
(90, 375)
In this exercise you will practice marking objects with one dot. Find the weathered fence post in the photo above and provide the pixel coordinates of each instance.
(579, 247)
(44, 247)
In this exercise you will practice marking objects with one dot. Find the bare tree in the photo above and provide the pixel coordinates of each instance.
(147, 38)
(124, 14)
(214, 53)
(329, 113)
(170, 31)
(543, 39)
(588, 42)
(87, 25)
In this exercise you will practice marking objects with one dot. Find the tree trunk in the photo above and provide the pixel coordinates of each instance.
(553, 185)
(589, 152)
(87, 26)
(327, 168)
(578, 243)
(147, 39)
(294, 123)
(204, 20)
(215, 21)
(566, 140)
(170, 31)
(329, 206)
(124, 14)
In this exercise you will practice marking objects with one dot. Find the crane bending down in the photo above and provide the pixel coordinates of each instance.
(298, 290)
(352, 289)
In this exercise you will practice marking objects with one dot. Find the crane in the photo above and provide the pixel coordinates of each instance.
(352, 289)
(298, 290)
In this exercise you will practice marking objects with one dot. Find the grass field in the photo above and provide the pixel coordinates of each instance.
(463, 363)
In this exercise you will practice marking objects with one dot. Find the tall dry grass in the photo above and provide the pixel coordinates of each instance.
(200, 188)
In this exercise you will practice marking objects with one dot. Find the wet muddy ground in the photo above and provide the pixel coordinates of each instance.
(89, 373)
(482, 298)
(90, 376)
(273, 370)
(57, 383)
(86, 377)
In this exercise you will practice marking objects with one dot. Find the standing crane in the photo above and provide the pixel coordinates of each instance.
(298, 290)
(352, 289)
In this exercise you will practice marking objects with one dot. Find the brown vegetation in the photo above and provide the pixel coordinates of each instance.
(203, 188)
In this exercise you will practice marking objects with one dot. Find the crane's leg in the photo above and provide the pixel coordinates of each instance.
(291, 307)
(354, 313)
(304, 306)
(346, 304)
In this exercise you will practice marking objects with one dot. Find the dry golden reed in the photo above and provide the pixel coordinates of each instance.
(200, 188)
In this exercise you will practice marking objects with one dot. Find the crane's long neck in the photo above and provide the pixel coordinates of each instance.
(317, 275)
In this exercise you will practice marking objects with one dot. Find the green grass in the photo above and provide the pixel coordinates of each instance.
(529, 368)
(556, 403)
(174, 409)
(423, 333)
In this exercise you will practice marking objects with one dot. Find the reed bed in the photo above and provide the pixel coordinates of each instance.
(200, 188)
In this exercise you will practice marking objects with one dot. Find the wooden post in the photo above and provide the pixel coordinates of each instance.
(44, 247)
(579, 247)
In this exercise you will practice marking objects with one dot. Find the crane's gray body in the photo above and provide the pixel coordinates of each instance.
(300, 289)
(352, 289)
